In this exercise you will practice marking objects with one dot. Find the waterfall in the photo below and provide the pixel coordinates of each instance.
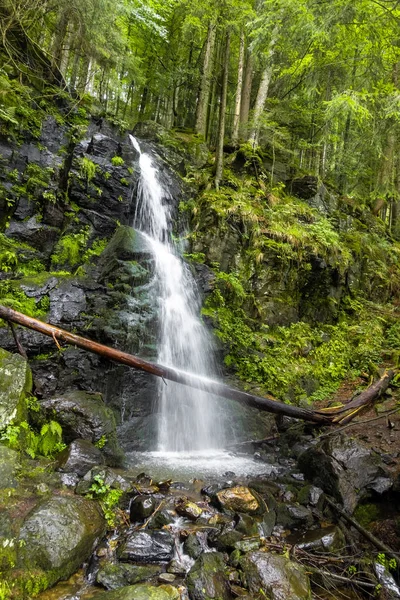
(188, 418)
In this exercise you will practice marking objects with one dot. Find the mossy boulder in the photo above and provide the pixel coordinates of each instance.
(15, 384)
(207, 580)
(59, 535)
(9, 467)
(140, 592)
(277, 576)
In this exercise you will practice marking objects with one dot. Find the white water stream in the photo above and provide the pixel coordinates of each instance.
(189, 419)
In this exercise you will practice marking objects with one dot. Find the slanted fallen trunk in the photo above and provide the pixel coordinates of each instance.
(268, 404)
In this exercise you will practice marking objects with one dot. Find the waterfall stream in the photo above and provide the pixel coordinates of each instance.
(188, 418)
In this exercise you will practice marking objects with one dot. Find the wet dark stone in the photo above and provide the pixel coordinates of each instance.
(110, 478)
(345, 469)
(276, 575)
(194, 544)
(85, 415)
(79, 458)
(206, 580)
(246, 524)
(113, 576)
(147, 547)
(293, 515)
(226, 540)
(141, 508)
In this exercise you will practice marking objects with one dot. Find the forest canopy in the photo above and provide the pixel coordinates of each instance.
(314, 79)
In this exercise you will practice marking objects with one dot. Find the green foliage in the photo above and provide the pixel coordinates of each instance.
(13, 296)
(297, 360)
(70, 249)
(108, 498)
(389, 563)
(117, 161)
(87, 169)
(46, 442)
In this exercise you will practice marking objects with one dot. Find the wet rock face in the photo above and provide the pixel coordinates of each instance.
(85, 415)
(60, 535)
(276, 575)
(147, 547)
(79, 458)
(113, 576)
(345, 469)
(141, 508)
(15, 383)
(206, 580)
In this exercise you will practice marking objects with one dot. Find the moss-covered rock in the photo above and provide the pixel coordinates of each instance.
(59, 535)
(207, 580)
(276, 576)
(140, 592)
(15, 384)
(241, 499)
(9, 467)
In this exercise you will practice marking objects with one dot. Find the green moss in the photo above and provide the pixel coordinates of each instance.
(365, 514)
(117, 161)
(87, 169)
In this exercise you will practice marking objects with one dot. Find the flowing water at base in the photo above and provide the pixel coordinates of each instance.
(185, 466)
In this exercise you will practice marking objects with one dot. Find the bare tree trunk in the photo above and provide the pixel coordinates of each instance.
(246, 95)
(239, 87)
(262, 95)
(204, 95)
(219, 153)
(61, 31)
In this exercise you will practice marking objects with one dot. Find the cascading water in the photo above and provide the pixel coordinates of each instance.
(188, 418)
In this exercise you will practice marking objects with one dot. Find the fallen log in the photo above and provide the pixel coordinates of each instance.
(216, 388)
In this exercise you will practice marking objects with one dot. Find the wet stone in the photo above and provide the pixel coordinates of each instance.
(193, 546)
(166, 577)
(142, 507)
(246, 524)
(294, 515)
(79, 458)
(225, 541)
(277, 576)
(240, 499)
(147, 547)
(113, 576)
(139, 592)
(190, 510)
(206, 580)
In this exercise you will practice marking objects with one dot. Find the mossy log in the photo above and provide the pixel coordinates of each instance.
(268, 404)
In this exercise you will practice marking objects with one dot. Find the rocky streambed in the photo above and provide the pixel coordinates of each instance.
(77, 526)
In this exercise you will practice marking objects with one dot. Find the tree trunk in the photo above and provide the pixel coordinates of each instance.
(219, 153)
(239, 88)
(262, 95)
(198, 382)
(246, 95)
(327, 417)
(61, 31)
(204, 95)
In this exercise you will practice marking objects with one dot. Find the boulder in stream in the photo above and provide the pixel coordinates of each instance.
(277, 576)
(113, 576)
(240, 499)
(147, 547)
(206, 580)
